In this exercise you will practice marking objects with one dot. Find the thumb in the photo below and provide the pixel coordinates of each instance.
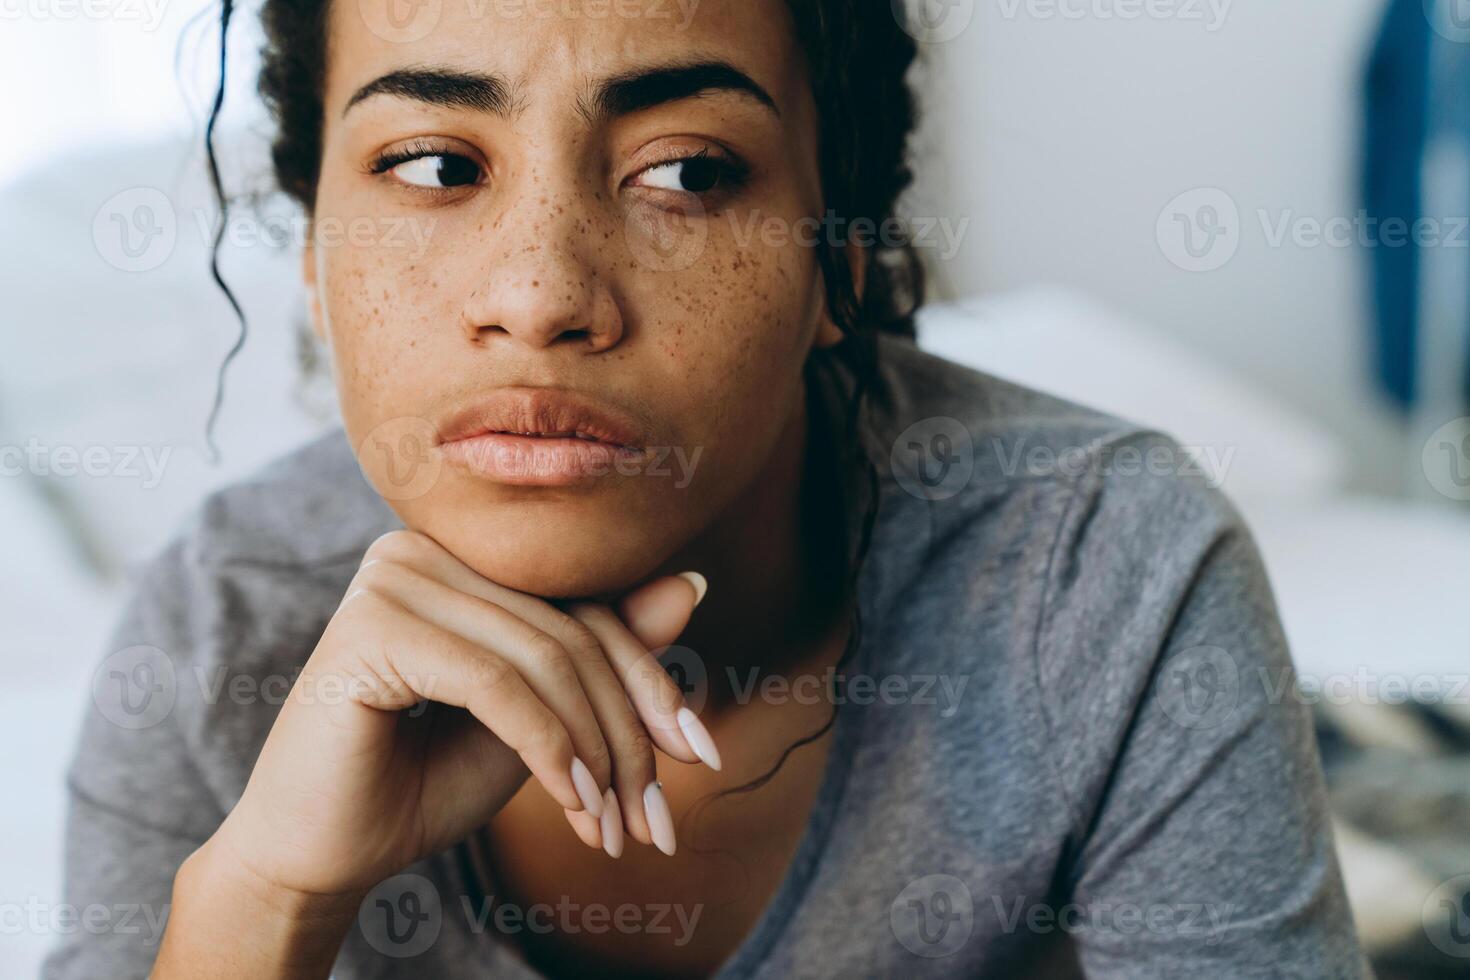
(657, 612)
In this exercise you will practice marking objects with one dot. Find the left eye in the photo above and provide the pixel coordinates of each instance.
(696, 175)
(438, 171)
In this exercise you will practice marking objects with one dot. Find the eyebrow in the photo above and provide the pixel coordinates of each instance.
(620, 95)
(451, 88)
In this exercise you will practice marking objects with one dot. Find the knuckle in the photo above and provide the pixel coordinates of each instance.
(547, 651)
(365, 599)
(580, 641)
(402, 545)
(637, 747)
(379, 573)
(547, 737)
(599, 760)
(494, 678)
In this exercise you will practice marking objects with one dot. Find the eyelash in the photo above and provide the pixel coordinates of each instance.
(731, 174)
(418, 150)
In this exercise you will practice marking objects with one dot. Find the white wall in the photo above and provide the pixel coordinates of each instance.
(1063, 140)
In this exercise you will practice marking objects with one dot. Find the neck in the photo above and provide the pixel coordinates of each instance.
(774, 561)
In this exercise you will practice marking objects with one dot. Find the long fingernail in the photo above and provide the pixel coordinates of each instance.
(699, 738)
(660, 820)
(586, 787)
(700, 585)
(612, 825)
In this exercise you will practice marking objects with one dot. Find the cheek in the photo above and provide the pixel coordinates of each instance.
(732, 337)
(742, 327)
(379, 309)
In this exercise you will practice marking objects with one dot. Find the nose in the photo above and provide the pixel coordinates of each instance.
(539, 290)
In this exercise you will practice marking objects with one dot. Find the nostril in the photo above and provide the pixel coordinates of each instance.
(478, 335)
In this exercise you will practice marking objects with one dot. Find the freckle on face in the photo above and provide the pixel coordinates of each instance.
(710, 356)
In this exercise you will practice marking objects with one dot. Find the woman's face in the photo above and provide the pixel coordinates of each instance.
(559, 263)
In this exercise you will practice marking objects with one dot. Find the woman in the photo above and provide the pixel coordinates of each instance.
(979, 683)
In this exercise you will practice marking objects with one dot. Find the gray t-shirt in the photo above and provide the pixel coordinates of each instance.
(1066, 742)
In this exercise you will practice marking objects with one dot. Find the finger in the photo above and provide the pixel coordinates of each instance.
(660, 706)
(588, 827)
(658, 612)
(625, 734)
(654, 695)
(547, 667)
(428, 556)
(404, 659)
(612, 825)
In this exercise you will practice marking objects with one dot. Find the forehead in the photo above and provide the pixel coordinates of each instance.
(556, 49)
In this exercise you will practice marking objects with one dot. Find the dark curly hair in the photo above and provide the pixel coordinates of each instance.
(858, 55)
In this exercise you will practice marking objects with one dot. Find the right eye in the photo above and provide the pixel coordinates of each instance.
(430, 169)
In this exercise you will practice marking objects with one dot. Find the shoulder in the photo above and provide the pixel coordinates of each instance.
(220, 621)
(311, 506)
(981, 458)
(1072, 557)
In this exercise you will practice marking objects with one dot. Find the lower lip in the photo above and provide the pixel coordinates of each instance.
(535, 461)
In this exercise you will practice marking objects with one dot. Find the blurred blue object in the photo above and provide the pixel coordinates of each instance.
(1416, 137)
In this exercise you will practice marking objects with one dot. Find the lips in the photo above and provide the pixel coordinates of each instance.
(540, 437)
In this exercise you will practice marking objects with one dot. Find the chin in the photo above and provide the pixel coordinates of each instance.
(551, 550)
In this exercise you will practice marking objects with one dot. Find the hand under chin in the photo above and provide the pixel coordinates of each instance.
(554, 563)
